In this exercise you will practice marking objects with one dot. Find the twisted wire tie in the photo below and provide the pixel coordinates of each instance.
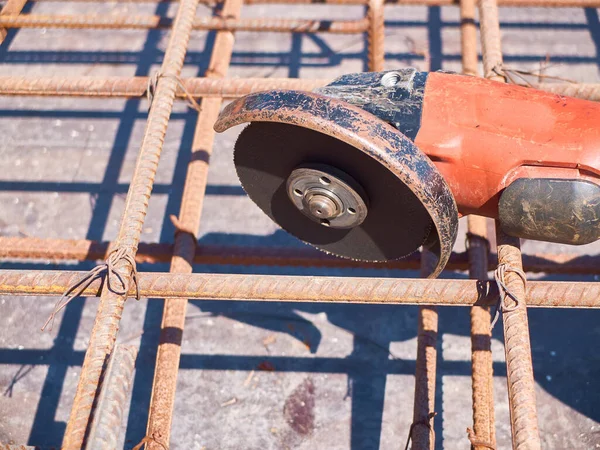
(504, 291)
(105, 271)
(153, 84)
(505, 72)
(476, 442)
(426, 423)
(148, 440)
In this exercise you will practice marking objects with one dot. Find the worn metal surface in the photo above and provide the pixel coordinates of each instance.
(112, 400)
(394, 96)
(106, 326)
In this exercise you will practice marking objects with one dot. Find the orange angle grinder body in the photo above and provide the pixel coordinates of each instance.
(374, 165)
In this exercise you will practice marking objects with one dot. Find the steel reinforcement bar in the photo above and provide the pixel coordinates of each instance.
(421, 430)
(519, 365)
(188, 222)
(130, 87)
(483, 434)
(308, 288)
(109, 313)
(58, 250)
(12, 7)
(109, 22)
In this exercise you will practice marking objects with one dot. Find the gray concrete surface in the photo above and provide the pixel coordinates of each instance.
(343, 374)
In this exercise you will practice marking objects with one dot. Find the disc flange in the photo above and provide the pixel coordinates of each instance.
(409, 202)
(327, 196)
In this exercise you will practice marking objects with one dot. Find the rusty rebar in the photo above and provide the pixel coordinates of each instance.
(468, 37)
(127, 87)
(519, 366)
(490, 39)
(114, 394)
(12, 7)
(84, 250)
(375, 35)
(140, 22)
(309, 289)
(247, 2)
(111, 305)
(17, 447)
(137, 86)
(483, 436)
(421, 431)
(188, 222)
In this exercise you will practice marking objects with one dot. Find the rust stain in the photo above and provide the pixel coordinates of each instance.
(299, 408)
(266, 366)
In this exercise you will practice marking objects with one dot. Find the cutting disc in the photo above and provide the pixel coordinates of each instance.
(408, 202)
(396, 223)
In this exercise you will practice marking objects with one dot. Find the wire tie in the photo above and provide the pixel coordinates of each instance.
(476, 442)
(504, 291)
(106, 271)
(426, 423)
(153, 84)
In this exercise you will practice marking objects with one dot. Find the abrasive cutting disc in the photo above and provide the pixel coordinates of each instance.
(396, 224)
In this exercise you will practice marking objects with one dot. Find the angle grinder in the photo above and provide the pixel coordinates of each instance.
(375, 165)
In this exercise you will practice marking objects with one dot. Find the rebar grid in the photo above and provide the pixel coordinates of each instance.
(180, 285)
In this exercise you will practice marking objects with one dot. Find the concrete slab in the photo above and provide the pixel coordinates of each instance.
(342, 374)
